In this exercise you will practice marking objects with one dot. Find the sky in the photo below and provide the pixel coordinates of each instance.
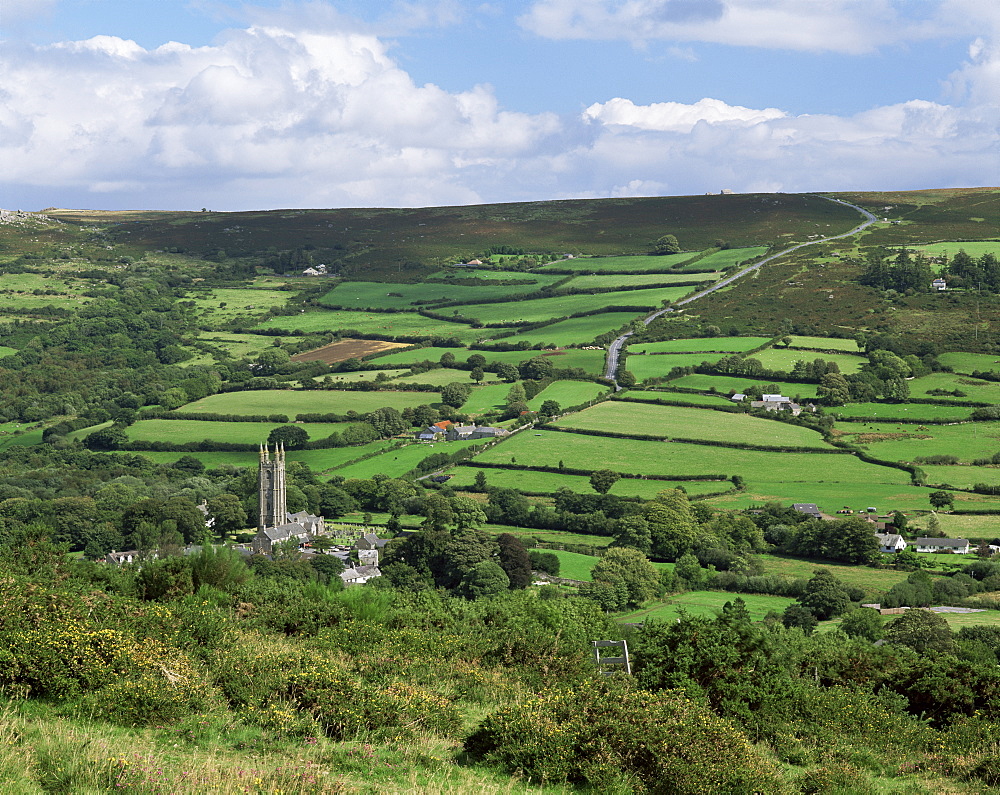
(229, 105)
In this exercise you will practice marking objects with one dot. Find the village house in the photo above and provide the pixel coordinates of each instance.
(959, 546)
(122, 558)
(808, 508)
(890, 542)
(359, 575)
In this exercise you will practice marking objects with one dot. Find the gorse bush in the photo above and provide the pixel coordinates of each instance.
(617, 738)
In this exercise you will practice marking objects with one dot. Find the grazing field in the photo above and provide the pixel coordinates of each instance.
(926, 412)
(346, 349)
(391, 324)
(289, 402)
(359, 375)
(824, 344)
(829, 493)
(724, 384)
(701, 345)
(797, 470)
(184, 431)
(784, 360)
(450, 275)
(660, 365)
(575, 330)
(973, 388)
(534, 310)
(318, 460)
(568, 393)
(653, 396)
(5, 351)
(239, 346)
(396, 463)
(953, 525)
(970, 362)
(222, 304)
(529, 536)
(440, 377)
(574, 566)
(388, 295)
(491, 397)
(962, 477)
(707, 603)
(691, 423)
(636, 263)
(551, 482)
(591, 362)
(872, 580)
(906, 442)
(611, 281)
(730, 258)
(973, 248)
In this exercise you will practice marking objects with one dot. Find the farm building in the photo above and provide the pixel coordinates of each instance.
(808, 508)
(960, 546)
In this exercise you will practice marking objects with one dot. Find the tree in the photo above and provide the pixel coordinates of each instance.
(484, 580)
(228, 512)
(455, 394)
(293, 437)
(112, 438)
(537, 368)
(507, 372)
(633, 531)
(550, 408)
(630, 568)
(626, 378)
(799, 616)
(921, 630)
(477, 374)
(270, 361)
(547, 562)
(516, 394)
(825, 595)
(479, 483)
(603, 479)
(514, 560)
(667, 244)
(834, 389)
(941, 500)
(865, 622)
(386, 421)
(335, 502)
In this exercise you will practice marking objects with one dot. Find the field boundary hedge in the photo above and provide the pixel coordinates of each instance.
(708, 442)
(587, 472)
(727, 409)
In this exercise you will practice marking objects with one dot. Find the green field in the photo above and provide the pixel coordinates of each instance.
(952, 247)
(618, 264)
(290, 403)
(830, 494)
(534, 310)
(962, 477)
(591, 362)
(660, 365)
(491, 397)
(797, 470)
(701, 345)
(5, 351)
(926, 412)
(220, 305)
(390, 324)
(360, 375)
(320, 461)
(954, 525)
(724, 384)
(690, 423)
(551, 482)
(905, 442)
(575, 330)
(396, 463)
(970, 362)
(974, 389)
(784, 360)
(440, 377)
(184, 431)
(825, 344)
(239, 346)
(389, 295)
(652, 396)
(573, 565)
(707, 603)
(611, 281)
(730, 258)
(872, 580)
(568, 393)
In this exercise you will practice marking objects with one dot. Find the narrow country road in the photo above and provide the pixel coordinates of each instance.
(614, 349)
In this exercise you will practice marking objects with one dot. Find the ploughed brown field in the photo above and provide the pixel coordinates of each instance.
(347, 349)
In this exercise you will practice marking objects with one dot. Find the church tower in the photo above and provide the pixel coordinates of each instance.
(271, 484)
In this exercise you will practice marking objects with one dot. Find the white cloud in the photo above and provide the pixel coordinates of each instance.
(846, 26)
(674, 116)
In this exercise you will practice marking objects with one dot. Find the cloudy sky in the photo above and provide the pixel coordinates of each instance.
(183, 104)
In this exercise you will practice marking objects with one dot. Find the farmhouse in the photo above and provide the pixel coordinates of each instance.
(359, 575)
(960, 546)
(778, 403)
(808, 508)
(890, 542)
(122, 558)
(939, 284)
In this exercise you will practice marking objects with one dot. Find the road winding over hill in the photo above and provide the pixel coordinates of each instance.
(614, 349)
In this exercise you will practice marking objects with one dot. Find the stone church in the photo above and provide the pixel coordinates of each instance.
(275, 524)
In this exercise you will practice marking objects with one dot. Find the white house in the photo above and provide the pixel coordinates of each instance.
(890, 542)
(960, 546)
(359, 575)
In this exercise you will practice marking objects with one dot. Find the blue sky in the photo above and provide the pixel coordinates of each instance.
(179, 104)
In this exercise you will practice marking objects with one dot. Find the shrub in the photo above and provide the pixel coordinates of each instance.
(611, 736)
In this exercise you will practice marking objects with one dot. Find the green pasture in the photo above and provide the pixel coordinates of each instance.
(691, 423)
(313, 401)
(830, 493)
(12, 301)
(824, 344)
(731, 257)
(783, 359)
(534, 310)
(567, 358)
(906, 442)
(612, 281)
(396, 463)
(360, 375)
(618, 264)
(551, 482)
(568, 393)
(701, 345)
(797, 470)
(927, 412)
(970, 362)
(974, 389)
(318, 460)
(955, 525)
(21, 434)
(575, 330)
(239, 346)
(184, 431)
(974, 248)
(430, 354)
(724, 384)
(707, 603)
(535, 279)
(712, 401)
(5, 351)
(389, 295)
(440, 377)
(390, 324)
(220, 305)
(660, 365)
(962, 477)
(574, 566)
(871, 580)
(491, 397)
(530, 536)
